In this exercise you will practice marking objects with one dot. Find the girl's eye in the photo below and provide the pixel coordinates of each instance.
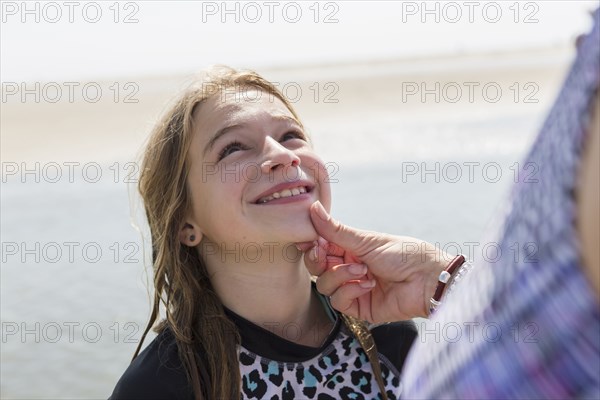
(231, 148)
(292, 135)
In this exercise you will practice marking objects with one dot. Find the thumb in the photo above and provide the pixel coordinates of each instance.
(350, 239)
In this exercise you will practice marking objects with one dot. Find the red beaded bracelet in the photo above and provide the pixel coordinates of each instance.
(443, 279)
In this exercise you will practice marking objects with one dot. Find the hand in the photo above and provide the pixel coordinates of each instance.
(372, 276)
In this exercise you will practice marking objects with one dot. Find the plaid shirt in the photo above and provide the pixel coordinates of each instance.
(526, 325)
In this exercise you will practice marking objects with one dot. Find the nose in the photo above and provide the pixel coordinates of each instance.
(277, 156)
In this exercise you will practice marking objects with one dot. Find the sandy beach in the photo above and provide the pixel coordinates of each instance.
(71, 320)
(108, 120)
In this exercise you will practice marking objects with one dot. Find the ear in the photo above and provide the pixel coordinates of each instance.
(189, 235)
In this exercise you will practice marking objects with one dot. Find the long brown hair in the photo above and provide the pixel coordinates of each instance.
(194, 312)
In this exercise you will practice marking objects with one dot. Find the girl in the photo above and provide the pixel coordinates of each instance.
(227, 180)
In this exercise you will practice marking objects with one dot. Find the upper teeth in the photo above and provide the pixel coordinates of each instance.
(284, 193)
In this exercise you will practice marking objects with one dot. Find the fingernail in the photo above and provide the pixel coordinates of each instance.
(367, 284)
(321, 211)
(313, 254)
(357, 269)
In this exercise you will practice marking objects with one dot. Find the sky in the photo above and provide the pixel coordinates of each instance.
(62, 40)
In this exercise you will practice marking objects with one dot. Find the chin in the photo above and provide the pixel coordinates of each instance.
(307, 234)
(294, 232)
(303, 230)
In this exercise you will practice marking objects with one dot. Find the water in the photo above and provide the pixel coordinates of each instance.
(67, 311)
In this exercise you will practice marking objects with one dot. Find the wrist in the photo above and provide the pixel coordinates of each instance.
(436, 267)
(449, 276)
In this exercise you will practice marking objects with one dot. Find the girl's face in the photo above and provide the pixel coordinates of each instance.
(253, 173)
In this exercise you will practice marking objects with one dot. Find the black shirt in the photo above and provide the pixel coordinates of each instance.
(273, 367)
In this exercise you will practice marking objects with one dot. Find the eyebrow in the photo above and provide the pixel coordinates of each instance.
(216, 136)
(227, 129)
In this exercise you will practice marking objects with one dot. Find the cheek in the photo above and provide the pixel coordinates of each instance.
(323, 174)
(215, 203)
(326, 194)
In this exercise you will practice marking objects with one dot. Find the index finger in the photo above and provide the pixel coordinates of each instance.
(315, 258)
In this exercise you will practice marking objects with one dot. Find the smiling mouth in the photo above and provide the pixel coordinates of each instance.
(296, 191)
